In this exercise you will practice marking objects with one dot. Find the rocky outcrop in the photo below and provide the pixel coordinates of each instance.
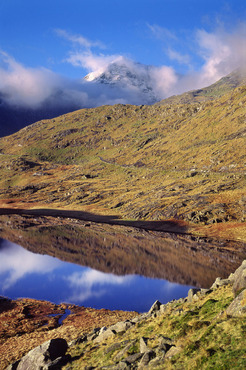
(238, 306)
(238, 279)
(49, 355)
(104, 334)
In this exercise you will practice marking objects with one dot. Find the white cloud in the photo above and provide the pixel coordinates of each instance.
(25, 86)
(79, 39)
(17, 262)
(161, 33)
(35, 87)
(90, 61)
(164, 79)
(84, 57)
(180, 58)
(220, 52)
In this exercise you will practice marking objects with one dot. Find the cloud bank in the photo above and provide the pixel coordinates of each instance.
(220, 52)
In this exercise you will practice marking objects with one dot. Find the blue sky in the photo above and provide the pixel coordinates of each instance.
(199, 39)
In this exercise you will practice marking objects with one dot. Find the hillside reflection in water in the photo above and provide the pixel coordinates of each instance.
(110, 266)
(25, 274)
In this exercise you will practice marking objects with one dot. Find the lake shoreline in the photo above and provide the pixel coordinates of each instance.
(221, 231)
(172, 226)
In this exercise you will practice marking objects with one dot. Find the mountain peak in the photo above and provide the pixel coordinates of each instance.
(125, 74)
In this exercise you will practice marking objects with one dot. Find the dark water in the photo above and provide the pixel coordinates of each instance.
(25, 274)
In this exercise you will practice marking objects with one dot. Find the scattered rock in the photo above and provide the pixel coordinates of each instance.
(179, 311)
(49, 355)
(238, 306)
(136, 354)
(238, 279)
(220, 282)
(192, 173)
(192, 294)
(116, 346)
(95, 332)
(105, 334)
(120, 366)
(133, 358)
(147, 357)
(156, 362)
(173, 351)
(121, 326)
(81, 339)
(123, 352)
(119, 204)
(102, 330)
(211, 214)
(91, 336)
(164, 307)
(164, 345)
(204, 292)
(155, 307)
(165, 342)
(143, 345)
(136, 319)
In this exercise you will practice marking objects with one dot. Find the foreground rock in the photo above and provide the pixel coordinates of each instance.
(27, 323)
(239, 279)
(49, 355)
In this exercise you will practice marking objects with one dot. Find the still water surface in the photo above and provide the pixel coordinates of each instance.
(26, 274)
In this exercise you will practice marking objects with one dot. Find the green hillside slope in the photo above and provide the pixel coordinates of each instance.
(167, 161)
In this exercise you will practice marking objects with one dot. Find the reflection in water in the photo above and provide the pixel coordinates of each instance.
(123, 267)
(16, 262)
(91, 283)
(121, 250)
(25, 274)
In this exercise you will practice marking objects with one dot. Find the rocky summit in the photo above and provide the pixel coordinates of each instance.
(126, 74)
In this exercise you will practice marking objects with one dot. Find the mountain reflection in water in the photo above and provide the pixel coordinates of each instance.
(123, 267)
(25, 274)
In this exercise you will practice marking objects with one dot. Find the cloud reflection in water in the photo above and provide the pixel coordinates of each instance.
(16, 262)
(89, 283)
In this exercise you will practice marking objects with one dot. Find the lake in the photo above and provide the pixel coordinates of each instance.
(26, 274)
(105, 266)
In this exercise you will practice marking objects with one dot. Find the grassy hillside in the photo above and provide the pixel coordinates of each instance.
(167, 161)
(196, 334)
